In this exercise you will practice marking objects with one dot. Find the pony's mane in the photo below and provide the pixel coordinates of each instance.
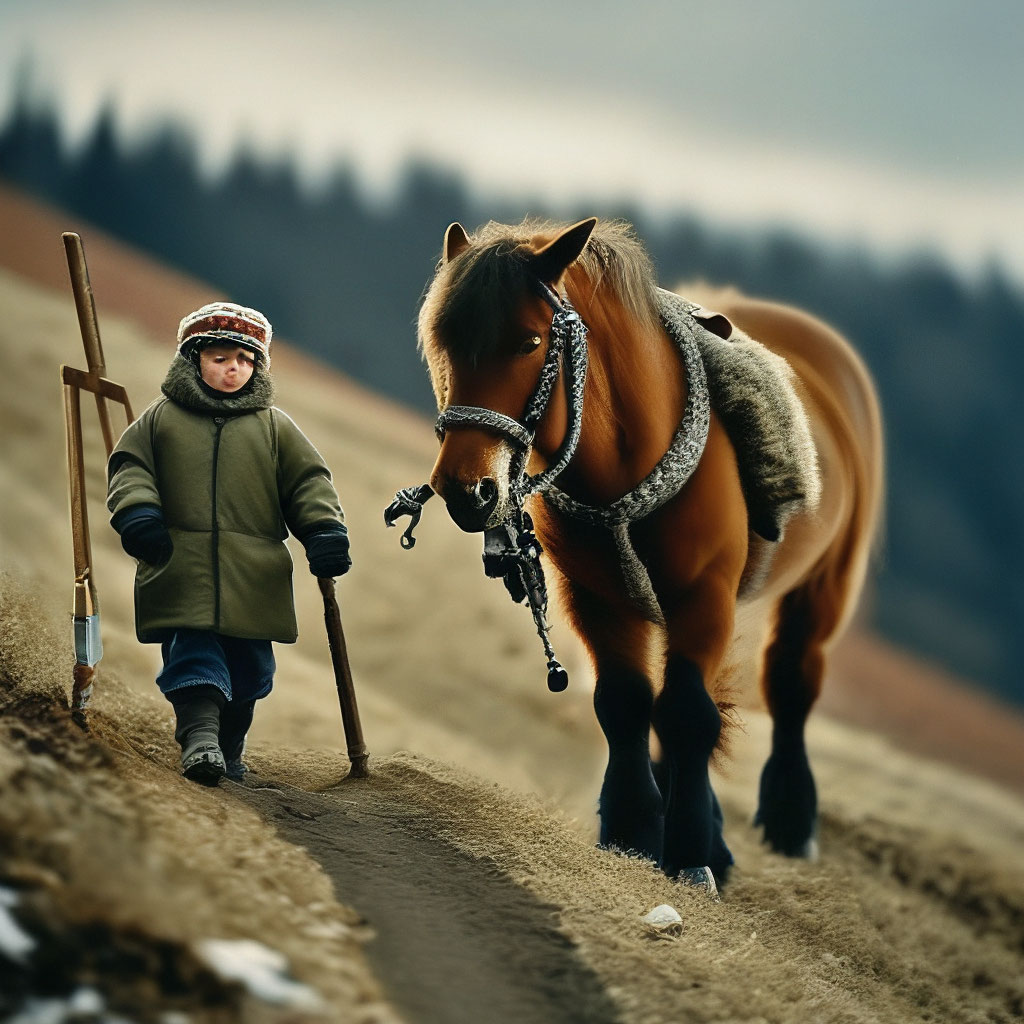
(472, 300)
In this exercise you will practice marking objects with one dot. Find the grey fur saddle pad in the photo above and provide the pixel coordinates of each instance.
(752, 391)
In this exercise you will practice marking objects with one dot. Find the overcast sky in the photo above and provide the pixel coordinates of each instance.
(899, 124)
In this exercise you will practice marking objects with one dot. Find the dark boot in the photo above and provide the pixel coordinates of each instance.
(235, 719)
(198, 715)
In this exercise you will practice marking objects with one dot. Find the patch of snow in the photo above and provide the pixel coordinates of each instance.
(263, 971)
(86, 1001)
(40, 1011)
(15, 942)
(84, 1004)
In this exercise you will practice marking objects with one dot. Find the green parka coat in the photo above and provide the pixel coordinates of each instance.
(232, 475)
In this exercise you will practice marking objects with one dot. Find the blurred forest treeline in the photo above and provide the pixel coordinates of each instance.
(341, 276)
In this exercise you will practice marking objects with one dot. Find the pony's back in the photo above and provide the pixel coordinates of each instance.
(825, 555)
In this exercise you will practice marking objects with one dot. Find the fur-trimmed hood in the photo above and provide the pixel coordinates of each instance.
(184, 386)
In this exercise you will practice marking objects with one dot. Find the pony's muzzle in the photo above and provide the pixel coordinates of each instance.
(470, 504)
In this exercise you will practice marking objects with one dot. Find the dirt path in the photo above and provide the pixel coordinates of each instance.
(455, 940)
(487, 907)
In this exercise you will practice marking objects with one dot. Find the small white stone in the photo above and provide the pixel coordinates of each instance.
(663, 921)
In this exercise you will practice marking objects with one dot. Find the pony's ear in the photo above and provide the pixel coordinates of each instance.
(455, 241)
(557, 256)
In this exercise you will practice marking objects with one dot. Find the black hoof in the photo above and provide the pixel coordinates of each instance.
(702, 879)
(720, 864)
(632, 811)
(788, 806)
(693, 829)
(788, 842)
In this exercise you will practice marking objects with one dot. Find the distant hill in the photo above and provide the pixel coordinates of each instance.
(342, 277)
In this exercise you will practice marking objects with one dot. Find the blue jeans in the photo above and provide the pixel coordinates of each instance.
(242, 670)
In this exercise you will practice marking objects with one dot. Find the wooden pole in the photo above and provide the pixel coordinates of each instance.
(85, 305)
(88, 640)
(88, 646)
(357, 752)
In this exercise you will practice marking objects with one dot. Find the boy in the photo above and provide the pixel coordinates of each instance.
(203, 489)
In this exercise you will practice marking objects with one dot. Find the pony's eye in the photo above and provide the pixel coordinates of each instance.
(530, 345)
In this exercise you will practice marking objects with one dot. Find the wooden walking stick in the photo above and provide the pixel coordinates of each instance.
(88, 642)
(357, 752)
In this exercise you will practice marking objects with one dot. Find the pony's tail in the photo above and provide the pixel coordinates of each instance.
(844, 566)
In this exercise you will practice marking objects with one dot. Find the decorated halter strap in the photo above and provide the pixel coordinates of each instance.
(678, 464)
(568, 326)
(477, 416)
(567, 350)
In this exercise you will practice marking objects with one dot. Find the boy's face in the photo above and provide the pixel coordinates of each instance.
(226, 367)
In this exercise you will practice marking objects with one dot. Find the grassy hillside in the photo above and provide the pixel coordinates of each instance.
(473, 902)
(461, 881)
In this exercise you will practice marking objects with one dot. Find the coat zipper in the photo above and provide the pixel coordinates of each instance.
(219, 421)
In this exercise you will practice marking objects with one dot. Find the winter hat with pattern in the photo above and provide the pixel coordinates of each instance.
(225, 322)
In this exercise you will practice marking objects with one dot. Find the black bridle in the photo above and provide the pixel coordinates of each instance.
(567, 351)
(511, 549)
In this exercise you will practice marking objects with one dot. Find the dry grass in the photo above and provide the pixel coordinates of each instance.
(914, 913)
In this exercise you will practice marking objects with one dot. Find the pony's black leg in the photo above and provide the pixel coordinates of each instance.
(661, 777)
(619, 640)
(630, 807)
(720, 853)
(788, 803)
(688, 724)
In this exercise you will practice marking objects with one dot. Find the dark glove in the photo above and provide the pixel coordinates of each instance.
(144, 534)
(327, 552)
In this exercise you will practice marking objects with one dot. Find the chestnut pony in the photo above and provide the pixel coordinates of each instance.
(484, 328)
